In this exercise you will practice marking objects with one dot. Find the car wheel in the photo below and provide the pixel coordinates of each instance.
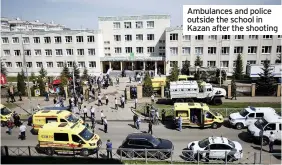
(230, 158)
(265, 141)
(214, 125)
(84, 152)
(239, 126)
(49, 151)
(130, 154)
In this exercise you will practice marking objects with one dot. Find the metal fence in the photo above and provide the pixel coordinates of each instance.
(165, 155)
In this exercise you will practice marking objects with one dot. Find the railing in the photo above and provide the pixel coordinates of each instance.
(147, 155)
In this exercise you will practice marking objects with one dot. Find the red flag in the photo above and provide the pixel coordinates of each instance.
(3, 79)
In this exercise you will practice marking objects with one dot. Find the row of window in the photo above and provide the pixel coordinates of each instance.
(138, 37)
(138, 25)
(225, 50)
(174, 37)
(48, 40)
(60, 64)
(213, 63)
(49, 52)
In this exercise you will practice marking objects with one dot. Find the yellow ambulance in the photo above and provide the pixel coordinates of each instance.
(62, 138)
(196, 115)
(6, 114)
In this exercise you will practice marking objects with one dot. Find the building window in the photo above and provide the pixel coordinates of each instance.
(5, 40)
(118, 50)
(80, 52)
(139, 50)
(127, 25)
(225, 50)
(172, 63)
(162, 41)
(267, 36)
(211, 50)
(185, 62)
(252, 50)
(162, 53)
(79, 39)
(116, 25)
(107, 54)
(39, 64)
(69, 52)
(91, 52)
(199, 50)
(26, 40)
(7, 52)
(17, 52)
(29, 64)
(107, 48)
(27, 52)
(8, 64)
(139, 37)
(139, 25)
(186, 37)
(49, 64)
(238, 49)
(128, 37)
(19, 64)
(266, 49)
(90, 39)
(128, 49)
(150, 49)
(69, 64)
(107, 42)
(173, 37)
(36, 40)
(279, 36)
(68, 39)
(37, 52)
(199, 37)
(263, 61)
(186, 50)
(250, 62)
(59, 52)
(47, 40)
(81, 64)
(48, 52)
(278, 49)
(161, 48)
(60, 64)
(213, 37)
(211, 63)
(15, 40)
(150, 24)
(239, 37)
(92, 64)
(224, 64)
(225, 37)
(58, 40)
(150, 37)
(117, 37)
(253, 37)
(174, 51)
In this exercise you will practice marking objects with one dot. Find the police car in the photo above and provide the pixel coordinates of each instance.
(215, 148)
(248, 116)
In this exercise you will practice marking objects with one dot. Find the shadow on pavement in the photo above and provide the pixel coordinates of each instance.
(227, 124)
(276, 152)
(131, 125)
(244, 136)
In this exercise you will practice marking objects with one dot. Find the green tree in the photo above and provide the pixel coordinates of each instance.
(65, 72)
(76, 71)
(42, 72)
(21, 86)
(41, 85)
(185, 68)
(233, 86)
(85, 74)
(197, 75)
(174, 73)
(3, 69)
(198, 61)
(266, 83)
(147, 86)
(238, 72)
(32, 76)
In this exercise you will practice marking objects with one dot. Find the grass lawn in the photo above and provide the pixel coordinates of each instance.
(10, 105)
(11, 79)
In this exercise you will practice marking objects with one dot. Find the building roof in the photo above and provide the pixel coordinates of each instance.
(141, 17)
(59, 32)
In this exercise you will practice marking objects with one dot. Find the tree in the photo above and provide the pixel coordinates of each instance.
(41, 85)
(278, 60)
(238, 72)
(174, 73)
(85, 74)
(147, 86)
(65, 72)
(42, 72)
(21, 85)
(3, 69)
(198, 61)
(233, 86)
(76, 71)
(266, 83)
(185, 68)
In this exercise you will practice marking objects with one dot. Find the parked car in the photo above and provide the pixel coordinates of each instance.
(135, 144)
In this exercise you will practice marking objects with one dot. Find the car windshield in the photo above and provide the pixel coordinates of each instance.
(244, 113)
(86, 134)
(231, 143)
(261, 123)
(5, 111)
(203, 143)
(72, 118)
(155, 141)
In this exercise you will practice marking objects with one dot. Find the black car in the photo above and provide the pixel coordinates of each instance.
(142, 144)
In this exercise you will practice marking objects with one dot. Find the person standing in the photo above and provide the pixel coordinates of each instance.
(153, 98)
(180, 123)
(271, 141)
(102, 117)
(135, 103)
(99, 100)
(92, 112)
(13, 98)
(157, 116)
(233, 89)
(20, 96)
(109, 147)
(107, 99)
(150, 130)
(9, 127)
(163, 116)
(93, 122)
(105, 125)
(116, 104)
(22, 131)
(85, 113)
(55, 100)
(81, 98)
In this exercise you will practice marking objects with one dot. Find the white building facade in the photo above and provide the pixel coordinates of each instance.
(220, 50)
(51, 49)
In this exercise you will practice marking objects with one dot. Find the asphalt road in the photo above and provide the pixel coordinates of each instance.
(117, 132)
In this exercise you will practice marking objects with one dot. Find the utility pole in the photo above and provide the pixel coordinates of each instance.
(220, 75)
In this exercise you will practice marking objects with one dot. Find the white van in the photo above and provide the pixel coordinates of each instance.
(271, 122)
(248, 116)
